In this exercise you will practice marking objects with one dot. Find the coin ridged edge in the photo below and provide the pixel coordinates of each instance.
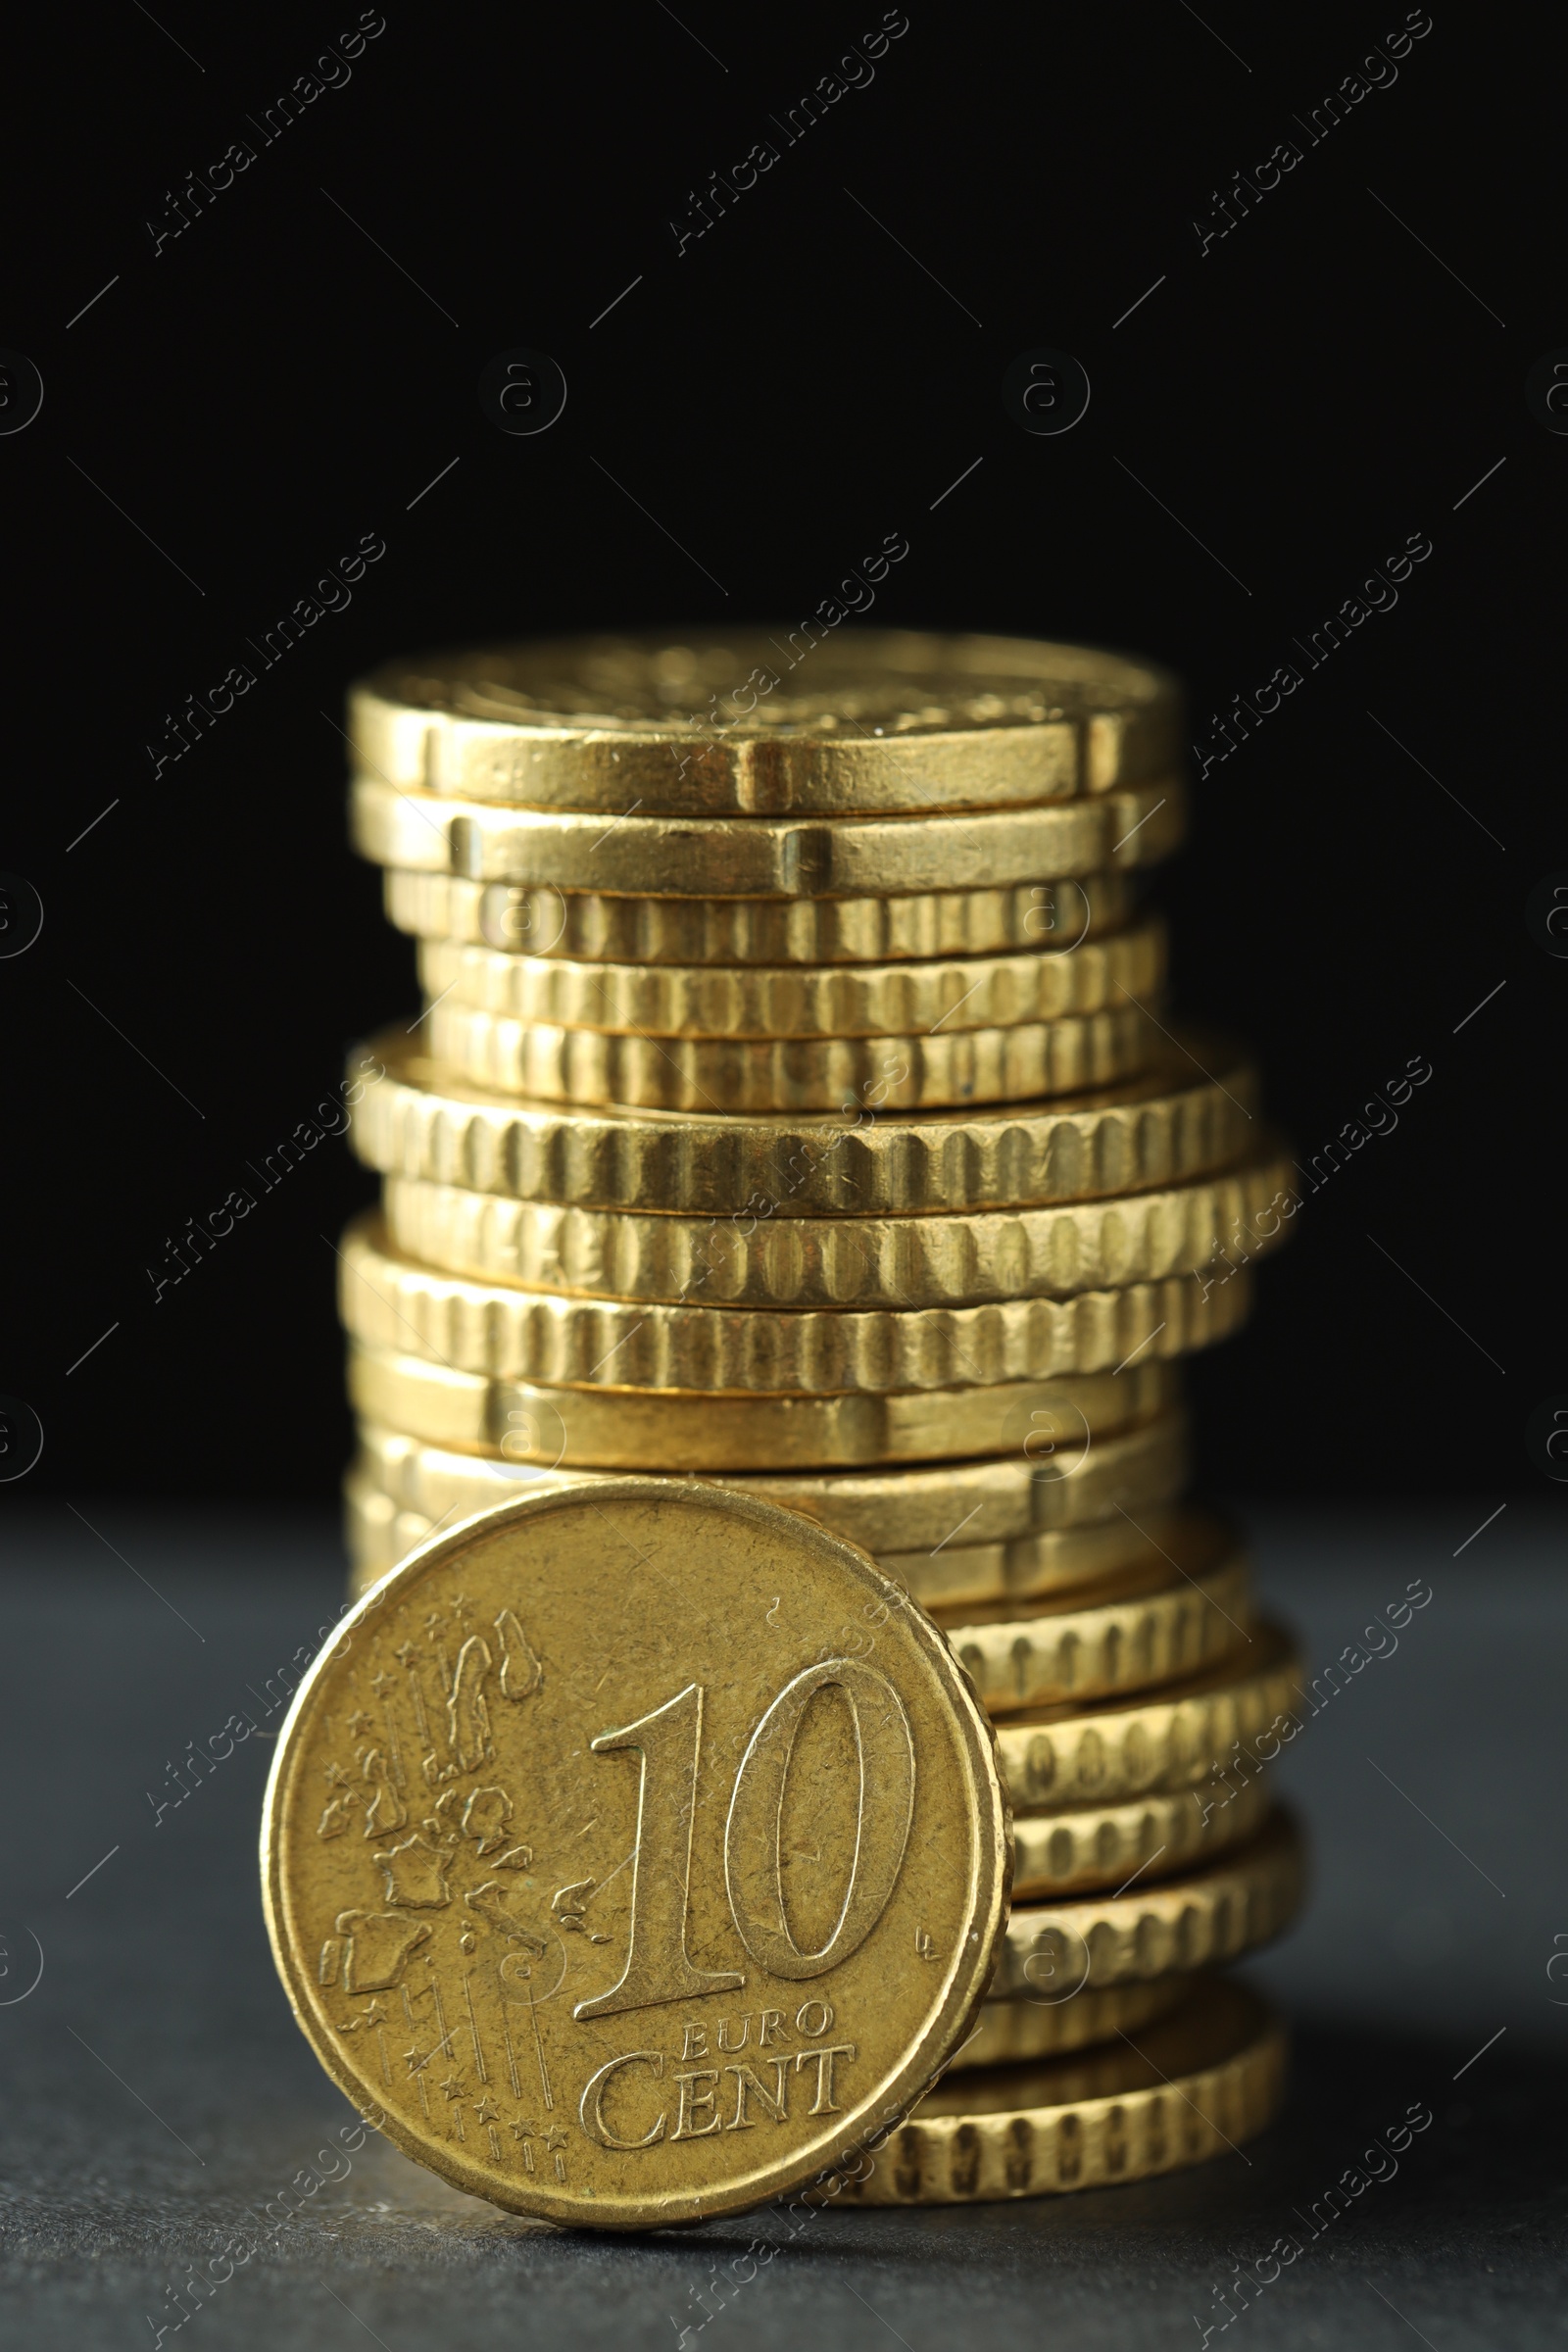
(721, 1075)
(721, 934)
(414, 1120)
(1161, 1739)
(1083, 1849)
(1088, 2144)
(1073, 1650)
(1206, 1916)
(873, 1000)
(560, 1340)
(1024, 2032)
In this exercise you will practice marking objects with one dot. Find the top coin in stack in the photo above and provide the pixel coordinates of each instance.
(759, 724)
(957, 766)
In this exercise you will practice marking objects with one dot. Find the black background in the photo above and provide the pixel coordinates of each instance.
(234, 412)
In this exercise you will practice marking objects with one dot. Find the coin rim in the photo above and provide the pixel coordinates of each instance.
(537, 847)
(869, 1430)
(1277, 1849)
(1123, 905)
(1167, 1423)
(512, 985)
(1253, 1803)
(631, 1242)
(1266, 2054)
(546, 1062)
(393, 1302)
(455, 1121)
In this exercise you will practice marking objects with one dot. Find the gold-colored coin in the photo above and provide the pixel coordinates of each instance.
(1149, 1838)
(1192, 1114)
(1158, 1624)
(1068, 1497)
(498, 1730)
(1127, 1472)
(1009, 2032)
(542, 1427)
(395, 1302)
(797, 1001)
(1198, 1920)
(753, 1260)
(801, 1073)
(380, 1531)
(1110, 1750)
(1196, 2084)
(744, 931)
(755, 722)
(764, 857)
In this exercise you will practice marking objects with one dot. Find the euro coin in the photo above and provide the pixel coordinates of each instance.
(380, 1525)
(1200, 1919)
(380, 1531)
(1149, 1838)
(1195, 2085)
(719, 1075)
(625, 1914)
(1184, 1738)
(1158, 1624)
(1008, 2031)
(792, 1001)
(1083, 1504)
(754, 1259)
(607, 1428)
(764, 857)
(597, 926)
(760, 721)
(1133, 1473)
(1192, 1114)
(395, 1302)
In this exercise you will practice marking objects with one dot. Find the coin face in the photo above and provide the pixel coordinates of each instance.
(900, 682)
(633, 1852)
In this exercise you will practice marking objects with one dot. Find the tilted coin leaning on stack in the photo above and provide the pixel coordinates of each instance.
(799, 1113)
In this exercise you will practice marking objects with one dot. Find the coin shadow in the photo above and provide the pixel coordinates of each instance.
(1492, 2147)
(1490, 2152)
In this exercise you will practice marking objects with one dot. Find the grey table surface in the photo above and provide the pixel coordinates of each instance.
(154, 2089)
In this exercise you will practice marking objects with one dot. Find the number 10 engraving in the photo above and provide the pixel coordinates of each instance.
(669, 1739)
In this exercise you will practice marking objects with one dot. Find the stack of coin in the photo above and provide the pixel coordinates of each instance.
(798, 1107)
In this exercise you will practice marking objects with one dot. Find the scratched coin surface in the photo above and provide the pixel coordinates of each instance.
(635, 1852)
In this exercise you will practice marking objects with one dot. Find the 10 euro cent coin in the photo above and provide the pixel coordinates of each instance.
(635, 1853)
